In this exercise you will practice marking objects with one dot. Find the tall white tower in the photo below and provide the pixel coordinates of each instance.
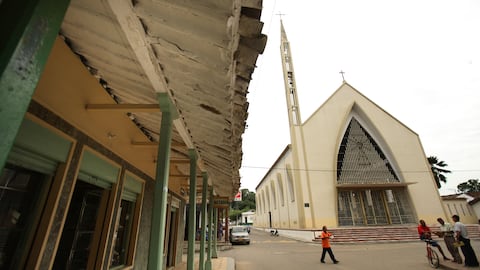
(301, 177)
(289, 78)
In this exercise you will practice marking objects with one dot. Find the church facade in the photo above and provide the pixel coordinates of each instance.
(350, 163)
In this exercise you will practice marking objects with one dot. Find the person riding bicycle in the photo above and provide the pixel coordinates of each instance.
(425, 234)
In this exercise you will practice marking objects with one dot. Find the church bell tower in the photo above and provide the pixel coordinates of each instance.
(300, 175)
(289, 79)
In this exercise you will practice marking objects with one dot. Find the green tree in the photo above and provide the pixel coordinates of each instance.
(438, 171)
(472, 185)
(248, 200)
(234, 214)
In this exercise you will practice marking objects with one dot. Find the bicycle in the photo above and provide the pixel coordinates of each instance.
(432, 256)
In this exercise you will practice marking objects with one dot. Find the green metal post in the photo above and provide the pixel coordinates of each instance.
(215, 229)
(159, 209)
(201, 261)
(192, 210)
(28, 30)
(208, 263)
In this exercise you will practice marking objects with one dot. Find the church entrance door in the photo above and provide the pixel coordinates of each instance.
(373, 207)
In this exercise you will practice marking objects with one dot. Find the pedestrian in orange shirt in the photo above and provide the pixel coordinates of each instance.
(326, 236)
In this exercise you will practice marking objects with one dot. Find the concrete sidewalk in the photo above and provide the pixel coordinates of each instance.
(220, 263)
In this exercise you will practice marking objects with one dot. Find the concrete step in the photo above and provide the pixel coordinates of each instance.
(384, 233)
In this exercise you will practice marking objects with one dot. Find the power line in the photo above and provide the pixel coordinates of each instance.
(330, 170)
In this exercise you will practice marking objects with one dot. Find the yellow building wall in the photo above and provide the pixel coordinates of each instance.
(461, 208)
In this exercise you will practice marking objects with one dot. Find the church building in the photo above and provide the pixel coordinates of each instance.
(350, 163)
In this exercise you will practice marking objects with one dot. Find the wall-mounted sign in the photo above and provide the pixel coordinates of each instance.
(221, 202)
(238, 197)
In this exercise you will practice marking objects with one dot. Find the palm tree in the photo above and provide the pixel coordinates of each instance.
(437, 170)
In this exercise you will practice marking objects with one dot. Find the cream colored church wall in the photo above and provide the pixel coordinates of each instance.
(320, 140)
(476, 211)
(460, 207)
(322, 134)
(283, 209)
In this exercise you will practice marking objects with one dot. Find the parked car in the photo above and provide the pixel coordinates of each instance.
(239, 234)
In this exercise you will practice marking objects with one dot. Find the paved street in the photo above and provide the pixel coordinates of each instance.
(274, 253)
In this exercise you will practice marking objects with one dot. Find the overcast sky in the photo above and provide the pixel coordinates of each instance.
(419, 60)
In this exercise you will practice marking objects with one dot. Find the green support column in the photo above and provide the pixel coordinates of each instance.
(201, 261)
(215, 229)
(159, 209)
(192, 210)
(28, 29)
(208, 263)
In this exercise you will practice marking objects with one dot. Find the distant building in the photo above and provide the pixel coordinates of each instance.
(350, 164)
(248, 217)
(465, 205)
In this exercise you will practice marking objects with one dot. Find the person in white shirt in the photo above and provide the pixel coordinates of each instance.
(446, 231)
(461, 235)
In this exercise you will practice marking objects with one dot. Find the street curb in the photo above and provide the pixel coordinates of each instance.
(230, 263)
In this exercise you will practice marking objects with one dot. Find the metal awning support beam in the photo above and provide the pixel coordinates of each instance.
(201, 261)
(27, 39)
(192, 210)
(208, 263)
(214, 232)
(159, 209)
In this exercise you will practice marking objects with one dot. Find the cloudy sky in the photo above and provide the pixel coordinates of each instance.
(417, 59)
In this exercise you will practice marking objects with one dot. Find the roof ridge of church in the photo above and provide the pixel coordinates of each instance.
(340, 88)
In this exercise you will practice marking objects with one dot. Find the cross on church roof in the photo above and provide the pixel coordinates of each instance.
(280, 14)
(342, 72)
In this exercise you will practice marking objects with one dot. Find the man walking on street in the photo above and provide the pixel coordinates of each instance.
(326, 236)
(446, 231)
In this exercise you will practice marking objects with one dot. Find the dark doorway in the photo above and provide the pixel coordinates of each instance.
(83, 225)
(172, 237)
(270, 219)
(22, 198)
